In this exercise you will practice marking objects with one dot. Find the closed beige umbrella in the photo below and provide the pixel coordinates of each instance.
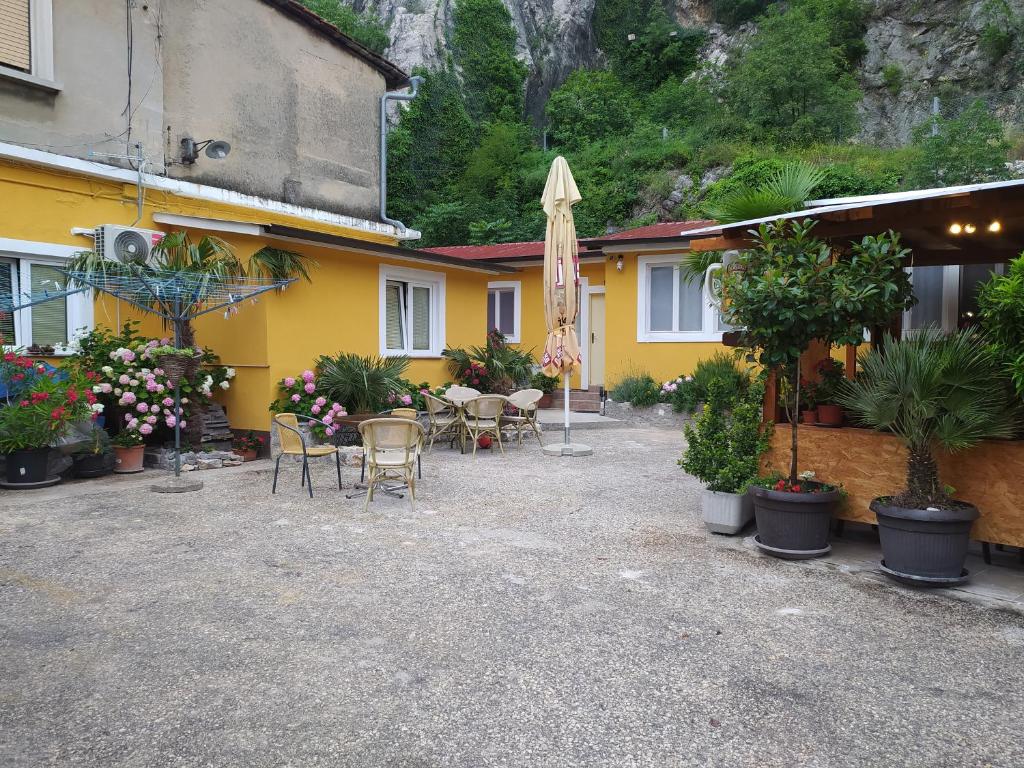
(561, 289)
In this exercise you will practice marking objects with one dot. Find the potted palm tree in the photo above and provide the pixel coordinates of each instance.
(934, 393)
(785, 291)
(363, 385)
(724, 446)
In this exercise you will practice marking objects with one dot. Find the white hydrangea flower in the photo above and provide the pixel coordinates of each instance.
(230, 373)
(225, 384)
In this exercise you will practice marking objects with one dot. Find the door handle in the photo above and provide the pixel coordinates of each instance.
(593, 338)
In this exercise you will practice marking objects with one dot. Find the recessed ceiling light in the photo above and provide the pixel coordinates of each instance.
(955, 229)
(995, 226)
(970, 229)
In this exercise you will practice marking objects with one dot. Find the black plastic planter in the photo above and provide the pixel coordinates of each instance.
(27, 467)
(793, 526)
(91, 465)
(924, 546)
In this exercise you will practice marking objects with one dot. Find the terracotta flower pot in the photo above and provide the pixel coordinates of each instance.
(128, 459)
(830, 415)
(249, 455)
(809, 416)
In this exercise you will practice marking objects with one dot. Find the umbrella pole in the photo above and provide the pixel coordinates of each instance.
(565, 404)
(177, 395)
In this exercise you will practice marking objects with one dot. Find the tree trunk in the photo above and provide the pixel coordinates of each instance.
(923, 477)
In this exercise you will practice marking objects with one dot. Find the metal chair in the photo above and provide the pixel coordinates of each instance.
(391, 447)
(482, 416)
(525, 401)
(294, 444)
(442, 418)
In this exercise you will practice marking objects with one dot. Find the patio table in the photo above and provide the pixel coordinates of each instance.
(459, 404)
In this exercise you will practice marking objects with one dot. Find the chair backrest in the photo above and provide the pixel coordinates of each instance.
(526, 399)
(404, 413)
(436, 405)
(288, 432)
(391, 434)
(461, 394)
(486, 406)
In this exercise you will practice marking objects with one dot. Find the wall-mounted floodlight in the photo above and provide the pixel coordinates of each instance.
(214, 149)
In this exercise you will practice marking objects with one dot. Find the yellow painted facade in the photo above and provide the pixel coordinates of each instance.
(279, 334)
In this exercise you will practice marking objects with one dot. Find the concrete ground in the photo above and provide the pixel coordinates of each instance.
(531, 612)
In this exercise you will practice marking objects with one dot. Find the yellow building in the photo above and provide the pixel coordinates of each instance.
(637, 315)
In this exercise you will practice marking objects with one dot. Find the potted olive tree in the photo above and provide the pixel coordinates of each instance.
(933, 392)
(787, 290)
(724, 445)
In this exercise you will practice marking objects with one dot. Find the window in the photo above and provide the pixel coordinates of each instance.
(947, 296)
(26, 40)
(30, 269)
(670, 308)
(412, 312)
(504, 309)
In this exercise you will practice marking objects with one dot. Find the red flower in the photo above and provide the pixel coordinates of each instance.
(24, 403)
(57, 413)
(72, 395)
(38, 397)
(17, 376)
(796, 488)
(781, 485)
(9, 357)
(476, 381)
(90, 398)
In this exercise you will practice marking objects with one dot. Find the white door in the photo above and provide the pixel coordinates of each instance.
(596, 345)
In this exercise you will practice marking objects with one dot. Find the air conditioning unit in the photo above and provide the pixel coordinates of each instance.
(114, 241)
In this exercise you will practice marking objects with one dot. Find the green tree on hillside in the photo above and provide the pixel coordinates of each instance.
(792, 84)
(364, 27)
(484, 46)
(589, 105)
(970, 148)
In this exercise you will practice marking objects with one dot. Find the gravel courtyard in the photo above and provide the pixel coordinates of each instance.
(531, 612)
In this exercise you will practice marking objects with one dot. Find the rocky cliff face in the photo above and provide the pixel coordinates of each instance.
(927, 47)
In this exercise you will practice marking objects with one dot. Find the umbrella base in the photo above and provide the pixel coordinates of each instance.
(568, 449)
(178, 485)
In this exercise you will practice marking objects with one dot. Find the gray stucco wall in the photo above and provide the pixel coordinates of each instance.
(301, 114)
(91, 64)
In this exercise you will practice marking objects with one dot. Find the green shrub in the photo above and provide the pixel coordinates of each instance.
(967, 149)
(892, 78)
(732, 13)
(726, 441)
(546, 384)
(362, 384)
(720, 368)
(1001, 308)
(639, 389)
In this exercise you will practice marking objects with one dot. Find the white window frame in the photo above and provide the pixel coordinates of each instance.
(644, 334)
(25, 253)
(417, 278)
(516, 286)
(40, 24)
(952, 274)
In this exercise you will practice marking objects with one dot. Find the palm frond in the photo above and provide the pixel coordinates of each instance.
(362, 384)
(694, 265)
(279, 264)
(745, 203)
(795, 182)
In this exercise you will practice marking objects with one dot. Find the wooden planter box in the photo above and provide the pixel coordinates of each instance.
(870, 464)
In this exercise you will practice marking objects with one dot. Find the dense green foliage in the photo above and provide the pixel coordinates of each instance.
(1001, 305)
(363, 27)
(466, 164)
(725, 443)
(931, 391)
(362, 384)
(640, 389)
(495, 367)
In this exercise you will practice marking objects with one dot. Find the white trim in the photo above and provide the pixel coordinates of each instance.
(643, 333)
(197, 191)
(438, 309)
(596, 289)
(583, 315)
(79, 306)
(211, 225)
(41, 29)
(516, 286)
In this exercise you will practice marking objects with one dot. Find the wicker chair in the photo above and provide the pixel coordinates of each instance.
(525, 401)
(482, 416)
(294, 444)
(392, 447)
(443, 420)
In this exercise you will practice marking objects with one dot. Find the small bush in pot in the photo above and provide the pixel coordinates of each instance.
(724, 448)
(786, 291)
(830, 382)
(248, 446)
(91, 457)
(129, 451)
(933, 392)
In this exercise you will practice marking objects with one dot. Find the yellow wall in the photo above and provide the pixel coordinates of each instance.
(623, 353)
(278, 335)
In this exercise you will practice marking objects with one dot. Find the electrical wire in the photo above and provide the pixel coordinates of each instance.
(127, 112)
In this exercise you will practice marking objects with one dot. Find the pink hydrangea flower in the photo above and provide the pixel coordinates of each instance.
(328, 418)
(307, 376)
(168, 401)
(124, 378)
(289, 381)
(310, 388)
(321, 401)
(315, 409)
(128, 417)
(154, 408)
(330, 431)
(146, 429)
(142, 408)
(151, 419)
(129, 398)
(407, 399)
(296, 397)
(170, 421)
(184, 424)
